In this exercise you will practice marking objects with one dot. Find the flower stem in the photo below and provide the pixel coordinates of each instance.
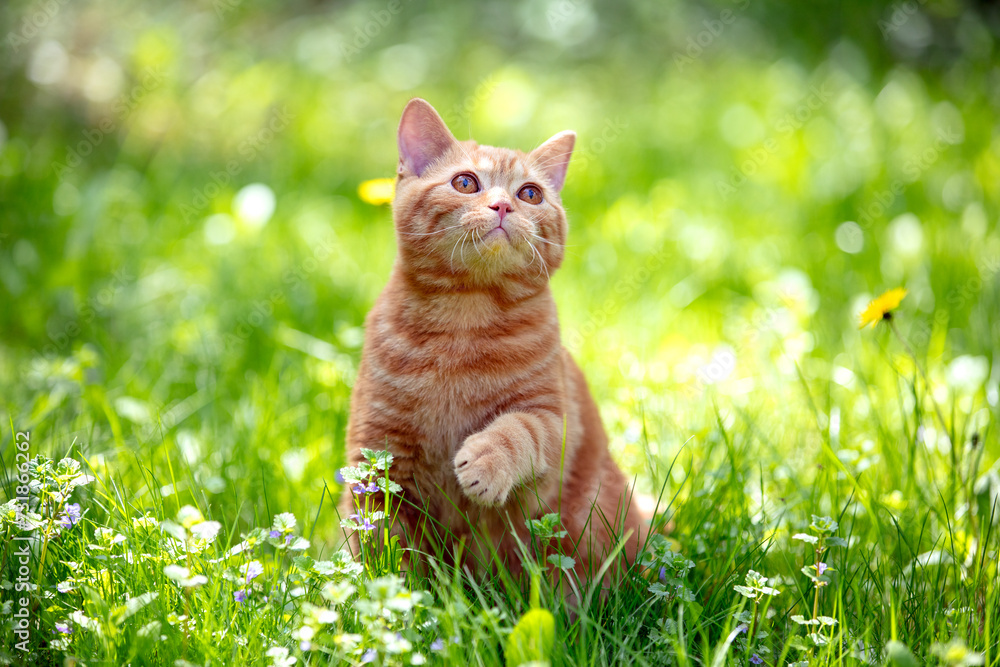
(753, 624)
(816, 597)
(920, 369)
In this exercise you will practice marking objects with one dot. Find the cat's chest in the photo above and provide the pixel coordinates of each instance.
(458, 365)
(456, 385)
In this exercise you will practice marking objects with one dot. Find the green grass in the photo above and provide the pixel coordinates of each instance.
(730, 216)
(912, 563)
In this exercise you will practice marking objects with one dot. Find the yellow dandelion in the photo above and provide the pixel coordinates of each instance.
(880, 308)
(377, 191)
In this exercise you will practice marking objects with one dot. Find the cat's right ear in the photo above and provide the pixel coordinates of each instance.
(423, 137)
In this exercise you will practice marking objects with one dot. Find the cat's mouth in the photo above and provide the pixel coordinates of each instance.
(497, 232)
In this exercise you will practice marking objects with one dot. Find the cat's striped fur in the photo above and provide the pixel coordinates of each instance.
(463, 375)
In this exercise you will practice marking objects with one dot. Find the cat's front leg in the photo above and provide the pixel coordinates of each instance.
(515, 448)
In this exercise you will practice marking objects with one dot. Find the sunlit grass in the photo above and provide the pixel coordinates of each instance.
(906, 555)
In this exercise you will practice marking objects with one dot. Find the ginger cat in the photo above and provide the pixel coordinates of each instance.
(462, 374)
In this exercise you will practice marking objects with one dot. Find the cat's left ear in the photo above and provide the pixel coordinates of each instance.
(552, 157)
(423, 137)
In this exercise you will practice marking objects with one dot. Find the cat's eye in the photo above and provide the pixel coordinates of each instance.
(530, 194)
(465, 183)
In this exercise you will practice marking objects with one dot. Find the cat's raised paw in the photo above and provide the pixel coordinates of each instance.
(484, 470)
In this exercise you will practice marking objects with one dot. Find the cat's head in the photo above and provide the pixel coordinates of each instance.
(469, 215)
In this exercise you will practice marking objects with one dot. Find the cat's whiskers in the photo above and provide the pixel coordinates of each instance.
(541, 262)
(451, 261)
(475, 236)
(534, 221)
(532, 256)
(462, 251)
(558, 245)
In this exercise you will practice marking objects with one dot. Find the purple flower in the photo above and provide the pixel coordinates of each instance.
(252, 570)
(274, 534)
(663, 575)
(742, 627)
(369, 655)
(288, 539)
(361, 489)
(366, 524)
(437, 645)
(821, 568)
(339, 477)
(70, 516)
(756, 659)
(240, 596)
(64, 628)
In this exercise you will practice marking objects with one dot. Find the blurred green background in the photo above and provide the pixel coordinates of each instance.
(185, 262)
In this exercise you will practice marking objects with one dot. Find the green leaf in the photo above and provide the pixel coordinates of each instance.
(823, 525)
(284, 522)
(356, 475)
(298, 544)
(562, 562)
(801, 620)
(545, 527)
(818, 639)
(340, 564)
(388, 485)
(532, 639)
(800, 644)
(659, 590)
(133, 606)
(149, 633)
(695, 611)
(379, 460)
(899, 655)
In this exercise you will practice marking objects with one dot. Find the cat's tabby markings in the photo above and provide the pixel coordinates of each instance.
(463, 375)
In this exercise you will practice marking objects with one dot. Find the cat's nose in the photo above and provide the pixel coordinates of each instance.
(501, 207)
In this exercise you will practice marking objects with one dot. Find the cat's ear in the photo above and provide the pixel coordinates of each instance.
(423, 137)
(552, 157)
